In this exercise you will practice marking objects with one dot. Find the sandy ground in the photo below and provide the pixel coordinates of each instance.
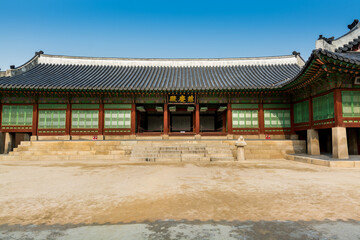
(97, 193)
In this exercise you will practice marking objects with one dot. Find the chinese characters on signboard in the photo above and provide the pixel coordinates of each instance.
(181, 98)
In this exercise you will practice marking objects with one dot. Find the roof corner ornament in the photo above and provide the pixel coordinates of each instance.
(351, 26)
(39, 53)
(328, 40)
(295, 53)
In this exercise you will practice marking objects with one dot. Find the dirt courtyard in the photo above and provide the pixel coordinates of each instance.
(108, 192)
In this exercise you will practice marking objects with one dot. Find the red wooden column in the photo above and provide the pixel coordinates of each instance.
(261, 119)
(133, 119)
(292, 120)
(101, 118)
(229, 118)
(197, 118)
(68, 119)
(166, 119)
(338, 108)
(35, 119)
(311, 118)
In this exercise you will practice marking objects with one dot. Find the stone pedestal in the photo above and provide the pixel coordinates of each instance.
(339, 143)
(240, 145)
(165, 136)
(313, 147)
(33, 138)
(8, 147)
(197, 137)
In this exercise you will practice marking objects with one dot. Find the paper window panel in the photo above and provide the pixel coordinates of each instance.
(245, 119)
(118, 119)
(85, 119)
(19, 115)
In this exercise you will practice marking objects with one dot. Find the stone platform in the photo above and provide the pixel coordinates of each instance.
(172, 150)
(325, 160)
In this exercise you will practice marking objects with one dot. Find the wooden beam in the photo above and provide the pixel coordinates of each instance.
(133, 119)
(68, 119)
(197, 118)
(338, 108)
(229, 118)
(35, 119)
(101, 118)
(261, 119)
(166, 119)
(311, 118)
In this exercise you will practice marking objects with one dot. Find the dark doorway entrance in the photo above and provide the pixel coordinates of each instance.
(181, 119)
(353, 135)
(150, 118)
(325, 140)
(212, 118)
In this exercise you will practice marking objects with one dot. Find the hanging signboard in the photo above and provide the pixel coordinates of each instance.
(181, 98)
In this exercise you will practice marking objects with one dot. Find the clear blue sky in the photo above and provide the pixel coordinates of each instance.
(167, 29)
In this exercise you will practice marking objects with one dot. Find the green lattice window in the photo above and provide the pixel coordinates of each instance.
(49, 119)
(17, 115)
(245, 119)
(301, 112)
(351, 103)
(117, 119)
(277, 118)
(85, 119)
(323, 107)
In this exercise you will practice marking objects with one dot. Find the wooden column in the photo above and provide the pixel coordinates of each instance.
(229, 118)
(224, 121)
(261, 119)
(101, 118)
(311, 112)
(292, 120)
(133, 119)
(338, 108)
(197, 118)
(35, 119)
(68, 119)
(166, 119)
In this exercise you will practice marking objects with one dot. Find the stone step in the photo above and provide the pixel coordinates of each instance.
(263, 156)
(72, 157)
(221, 155)
(213, 159)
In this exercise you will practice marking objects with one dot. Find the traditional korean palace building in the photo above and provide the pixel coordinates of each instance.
(279, 97)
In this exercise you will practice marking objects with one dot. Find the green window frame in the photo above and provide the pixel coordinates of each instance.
(277, 118)
(350, 103)
(117, 119)
(85, 119)
(17, 115)
(301, 112)
(245, 118)
(323, 107)
(52, 119)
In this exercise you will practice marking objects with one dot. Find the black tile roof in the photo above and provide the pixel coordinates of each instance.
(348, 46)
(153, 77)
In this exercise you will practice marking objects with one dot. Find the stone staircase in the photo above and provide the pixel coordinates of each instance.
(72, 150)
(153, 150)
(170, 151)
